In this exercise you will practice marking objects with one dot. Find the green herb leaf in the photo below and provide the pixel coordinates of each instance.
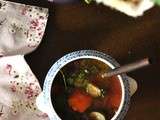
(81, 83)
(88, 1)
(157, 2)
(64, 79)
(93, 69)
(70, 81)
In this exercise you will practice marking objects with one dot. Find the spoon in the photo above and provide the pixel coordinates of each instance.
(127, 68)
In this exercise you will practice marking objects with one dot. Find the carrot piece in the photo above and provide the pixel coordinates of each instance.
(79, 101)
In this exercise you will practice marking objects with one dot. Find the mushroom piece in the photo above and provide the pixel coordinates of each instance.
(93, 90)
(96, 116)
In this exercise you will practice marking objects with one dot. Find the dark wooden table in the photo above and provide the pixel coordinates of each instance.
(79, 26)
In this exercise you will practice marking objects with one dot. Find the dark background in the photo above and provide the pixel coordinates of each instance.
(79, 26)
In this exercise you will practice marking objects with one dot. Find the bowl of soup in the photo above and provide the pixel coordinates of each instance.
(75, 89)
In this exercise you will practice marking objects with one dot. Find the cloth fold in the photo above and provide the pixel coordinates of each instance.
(21, 27)
(21, 30)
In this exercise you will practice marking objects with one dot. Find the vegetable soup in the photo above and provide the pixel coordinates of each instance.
(79, 91)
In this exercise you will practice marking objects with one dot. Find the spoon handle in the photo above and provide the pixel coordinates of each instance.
(128, 68)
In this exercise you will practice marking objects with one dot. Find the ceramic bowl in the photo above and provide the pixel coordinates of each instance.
(44, 101)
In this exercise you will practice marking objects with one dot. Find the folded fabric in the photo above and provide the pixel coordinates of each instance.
(21, 31)
(19, 90)
(21, 27)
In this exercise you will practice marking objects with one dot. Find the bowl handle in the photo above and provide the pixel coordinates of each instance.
(41, 105)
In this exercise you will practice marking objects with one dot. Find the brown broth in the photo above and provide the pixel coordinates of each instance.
(73, 102)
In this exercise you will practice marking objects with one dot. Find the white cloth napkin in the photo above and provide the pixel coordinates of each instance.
(21, 31)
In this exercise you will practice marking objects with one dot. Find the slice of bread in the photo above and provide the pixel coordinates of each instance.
(128, 6)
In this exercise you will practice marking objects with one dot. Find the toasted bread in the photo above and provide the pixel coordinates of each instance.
(132, 8)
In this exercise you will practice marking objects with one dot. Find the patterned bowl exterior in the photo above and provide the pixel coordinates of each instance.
(75, 56)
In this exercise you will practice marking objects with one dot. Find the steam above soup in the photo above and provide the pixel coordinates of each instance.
(79, 92)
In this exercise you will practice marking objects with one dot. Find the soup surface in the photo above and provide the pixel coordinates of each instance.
(79, 91)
